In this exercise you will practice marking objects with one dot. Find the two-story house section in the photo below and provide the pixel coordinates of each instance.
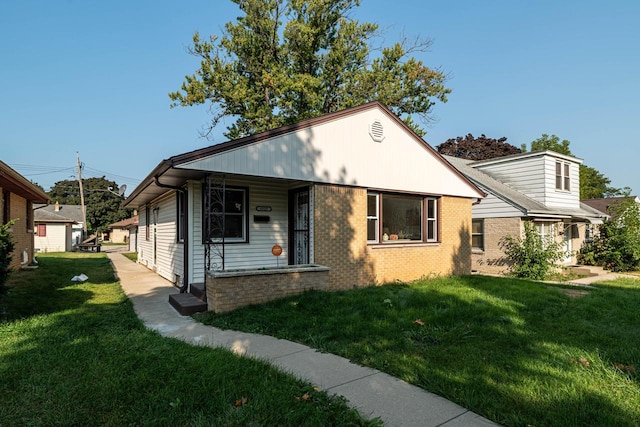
(540, 186)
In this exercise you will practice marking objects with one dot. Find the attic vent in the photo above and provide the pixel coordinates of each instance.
(376, 130)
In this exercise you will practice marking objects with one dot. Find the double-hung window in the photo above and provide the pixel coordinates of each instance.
(228, 215)
(477, 234)
(393, 218)
(563, 178)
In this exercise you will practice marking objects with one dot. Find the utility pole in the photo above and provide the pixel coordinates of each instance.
(84, 211)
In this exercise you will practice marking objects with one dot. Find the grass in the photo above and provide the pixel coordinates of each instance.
(133, 256)
(517, 352)
(76, 354)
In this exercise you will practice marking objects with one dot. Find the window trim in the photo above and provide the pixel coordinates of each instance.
(563, 176)
(481, 234)
(425, 219)
(181, 214)
(245, 219)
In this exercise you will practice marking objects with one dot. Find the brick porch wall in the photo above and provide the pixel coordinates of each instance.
(493, 260)
(228, 291)
(341, 242)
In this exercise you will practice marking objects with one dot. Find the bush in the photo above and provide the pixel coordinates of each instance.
(6, 249)
(618, 246)
(531, 257)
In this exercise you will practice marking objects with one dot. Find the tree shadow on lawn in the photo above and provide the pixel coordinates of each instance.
(575, 355)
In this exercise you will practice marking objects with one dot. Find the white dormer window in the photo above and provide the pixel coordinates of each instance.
(563, 179)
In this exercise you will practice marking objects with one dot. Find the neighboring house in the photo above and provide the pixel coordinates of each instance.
(18, 197)
(352, 198)
(603, 204)
(542, 187)
(58, 227)
(119, 232)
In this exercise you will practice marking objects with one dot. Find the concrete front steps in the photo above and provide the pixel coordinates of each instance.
(192, 302)
(586, 270)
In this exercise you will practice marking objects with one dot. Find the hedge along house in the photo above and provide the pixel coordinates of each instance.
(352, 198)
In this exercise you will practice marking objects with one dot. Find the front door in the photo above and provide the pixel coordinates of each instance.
(567, 240)
(299, 241)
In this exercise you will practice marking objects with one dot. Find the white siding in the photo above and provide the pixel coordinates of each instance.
(527, 175)
(162, 239)
(262, 236)
(494, 207)
(58, 239)
(562, 198)
(342, 152)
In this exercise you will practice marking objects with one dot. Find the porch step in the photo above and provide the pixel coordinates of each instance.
(585, 270)
(197, 290)
(187, 304)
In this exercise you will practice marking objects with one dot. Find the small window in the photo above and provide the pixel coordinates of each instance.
(563, 176)
(180, 215)
(372, 218)
(477, 234)
(41, 230)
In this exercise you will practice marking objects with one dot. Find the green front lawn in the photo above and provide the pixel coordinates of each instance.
(76, 354)
(518, 352)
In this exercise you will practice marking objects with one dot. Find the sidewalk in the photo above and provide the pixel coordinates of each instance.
(372, 392)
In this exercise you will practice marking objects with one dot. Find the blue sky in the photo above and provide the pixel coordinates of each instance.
(92, 77)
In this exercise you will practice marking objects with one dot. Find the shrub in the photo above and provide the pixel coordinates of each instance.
(618, 246)
(6, 249)
(531, 256)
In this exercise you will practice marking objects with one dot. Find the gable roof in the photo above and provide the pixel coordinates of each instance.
(522, 202)
(125, 223)
(14, 182)
(602, 204)
(334, 148)
(48, 213)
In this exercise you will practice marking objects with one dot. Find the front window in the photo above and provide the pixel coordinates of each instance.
(546, 232)
(395, 218)
(228, 215)
(477, 234)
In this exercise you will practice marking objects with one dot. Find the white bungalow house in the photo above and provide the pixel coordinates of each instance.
(540, 186)
(352, 198)
(58, 228)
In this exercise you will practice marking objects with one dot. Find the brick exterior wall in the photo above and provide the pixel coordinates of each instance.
(341, 242)
(22, 234)
(492, 260)
(228, 291)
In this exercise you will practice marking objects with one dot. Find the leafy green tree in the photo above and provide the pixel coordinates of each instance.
(593, 184)
(480, 148)
(617, 248)
(6, 250)
(102, 202)
(531, 256)
(285, 61)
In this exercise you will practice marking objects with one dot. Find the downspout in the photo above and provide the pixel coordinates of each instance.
(185, 244)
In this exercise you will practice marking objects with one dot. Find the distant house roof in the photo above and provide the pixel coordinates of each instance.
(603, 204)
(125, 223)
(57, 212)
(17, 184)
(508, 194)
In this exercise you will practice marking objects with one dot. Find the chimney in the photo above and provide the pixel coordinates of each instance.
(57, 207)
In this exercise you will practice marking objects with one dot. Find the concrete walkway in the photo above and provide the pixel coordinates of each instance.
(372, 392)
